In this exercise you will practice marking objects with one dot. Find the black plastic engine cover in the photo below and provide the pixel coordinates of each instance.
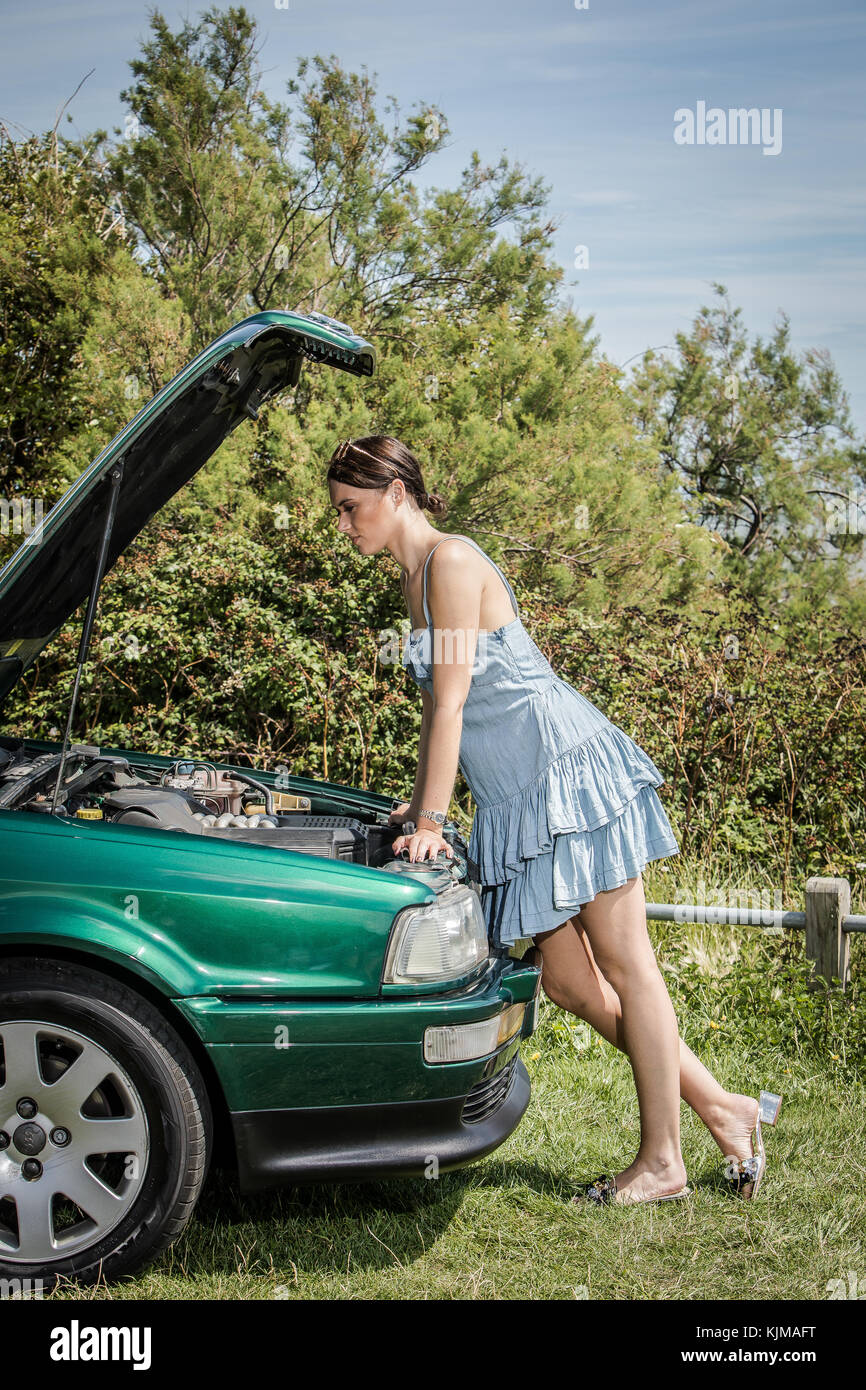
(162, 807)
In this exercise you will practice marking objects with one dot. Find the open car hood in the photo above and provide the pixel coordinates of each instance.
(168, 441)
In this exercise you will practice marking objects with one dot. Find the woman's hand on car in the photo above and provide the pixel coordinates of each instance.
(401, 813)
(424, 844)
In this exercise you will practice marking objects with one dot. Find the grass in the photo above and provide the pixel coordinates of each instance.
(505, 1228)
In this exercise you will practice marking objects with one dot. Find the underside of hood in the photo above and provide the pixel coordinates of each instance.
(161, 448)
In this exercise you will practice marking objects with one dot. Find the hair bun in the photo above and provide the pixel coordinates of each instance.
(436, 504)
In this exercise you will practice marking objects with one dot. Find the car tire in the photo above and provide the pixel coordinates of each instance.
(148, 1116)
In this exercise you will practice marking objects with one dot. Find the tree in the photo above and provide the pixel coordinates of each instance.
(760, 443)
(241, 203)
(57, 239)
(236, 203)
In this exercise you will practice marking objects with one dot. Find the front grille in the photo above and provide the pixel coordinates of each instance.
(485, 1098)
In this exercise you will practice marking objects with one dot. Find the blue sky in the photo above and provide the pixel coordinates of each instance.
(586, 99)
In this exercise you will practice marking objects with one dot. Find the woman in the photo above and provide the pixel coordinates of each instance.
(567, 814)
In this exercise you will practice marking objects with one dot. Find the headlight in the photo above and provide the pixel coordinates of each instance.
(439, 941)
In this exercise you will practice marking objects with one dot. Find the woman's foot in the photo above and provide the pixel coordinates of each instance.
(732, 1125)
(643, 1182)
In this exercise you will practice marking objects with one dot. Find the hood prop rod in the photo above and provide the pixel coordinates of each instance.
(115, 476)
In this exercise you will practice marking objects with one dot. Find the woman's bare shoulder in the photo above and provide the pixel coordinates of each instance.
(456, 553)
(456, 566)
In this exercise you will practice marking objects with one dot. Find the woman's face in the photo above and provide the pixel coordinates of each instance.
(365, 514)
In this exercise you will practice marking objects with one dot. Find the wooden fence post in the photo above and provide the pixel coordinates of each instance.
(828, 900)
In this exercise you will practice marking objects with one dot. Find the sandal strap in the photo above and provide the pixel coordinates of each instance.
(738, 1172)
(602, 1191)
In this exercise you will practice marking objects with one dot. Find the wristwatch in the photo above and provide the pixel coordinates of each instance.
(437, 816)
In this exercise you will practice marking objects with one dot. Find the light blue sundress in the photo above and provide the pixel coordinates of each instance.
(566, 805)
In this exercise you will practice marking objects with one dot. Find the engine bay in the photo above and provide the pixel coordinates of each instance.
(199, 798)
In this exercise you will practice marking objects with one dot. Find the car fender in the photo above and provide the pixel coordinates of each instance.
(40, 919)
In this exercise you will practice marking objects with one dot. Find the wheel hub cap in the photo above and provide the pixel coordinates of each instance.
(86, 1121)
(29, 1139)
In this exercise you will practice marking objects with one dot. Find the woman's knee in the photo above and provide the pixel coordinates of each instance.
(580, 993)
(569, 977)
(630, 976)
(564, 996)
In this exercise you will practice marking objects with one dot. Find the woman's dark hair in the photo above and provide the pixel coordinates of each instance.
(375, 460)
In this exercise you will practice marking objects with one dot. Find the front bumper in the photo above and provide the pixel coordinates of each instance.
(357, 1143)
(340, 1090)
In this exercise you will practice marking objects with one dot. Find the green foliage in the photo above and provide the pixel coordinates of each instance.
(56, 241)
(762, 447)
(270, 641)
(232, 203)
(231, 644)
(767, 995)
(559, 1030)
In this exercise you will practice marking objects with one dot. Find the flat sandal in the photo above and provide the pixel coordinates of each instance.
(602, 1192)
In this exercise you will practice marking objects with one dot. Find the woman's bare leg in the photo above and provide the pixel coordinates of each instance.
(575, 980)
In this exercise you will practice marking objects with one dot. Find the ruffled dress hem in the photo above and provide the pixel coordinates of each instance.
(581, 789)
(591, 820)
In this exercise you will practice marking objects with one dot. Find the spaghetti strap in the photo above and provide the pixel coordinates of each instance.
(481, 552)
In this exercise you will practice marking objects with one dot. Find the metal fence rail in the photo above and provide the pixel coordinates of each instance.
(739, 916)
(827, 921)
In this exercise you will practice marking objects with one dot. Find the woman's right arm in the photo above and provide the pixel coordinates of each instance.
(408, 810)
(414, 805)
(426, 713)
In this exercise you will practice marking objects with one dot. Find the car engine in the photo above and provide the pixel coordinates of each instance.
(198, 798)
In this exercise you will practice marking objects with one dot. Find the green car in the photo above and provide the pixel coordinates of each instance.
(202, 960)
